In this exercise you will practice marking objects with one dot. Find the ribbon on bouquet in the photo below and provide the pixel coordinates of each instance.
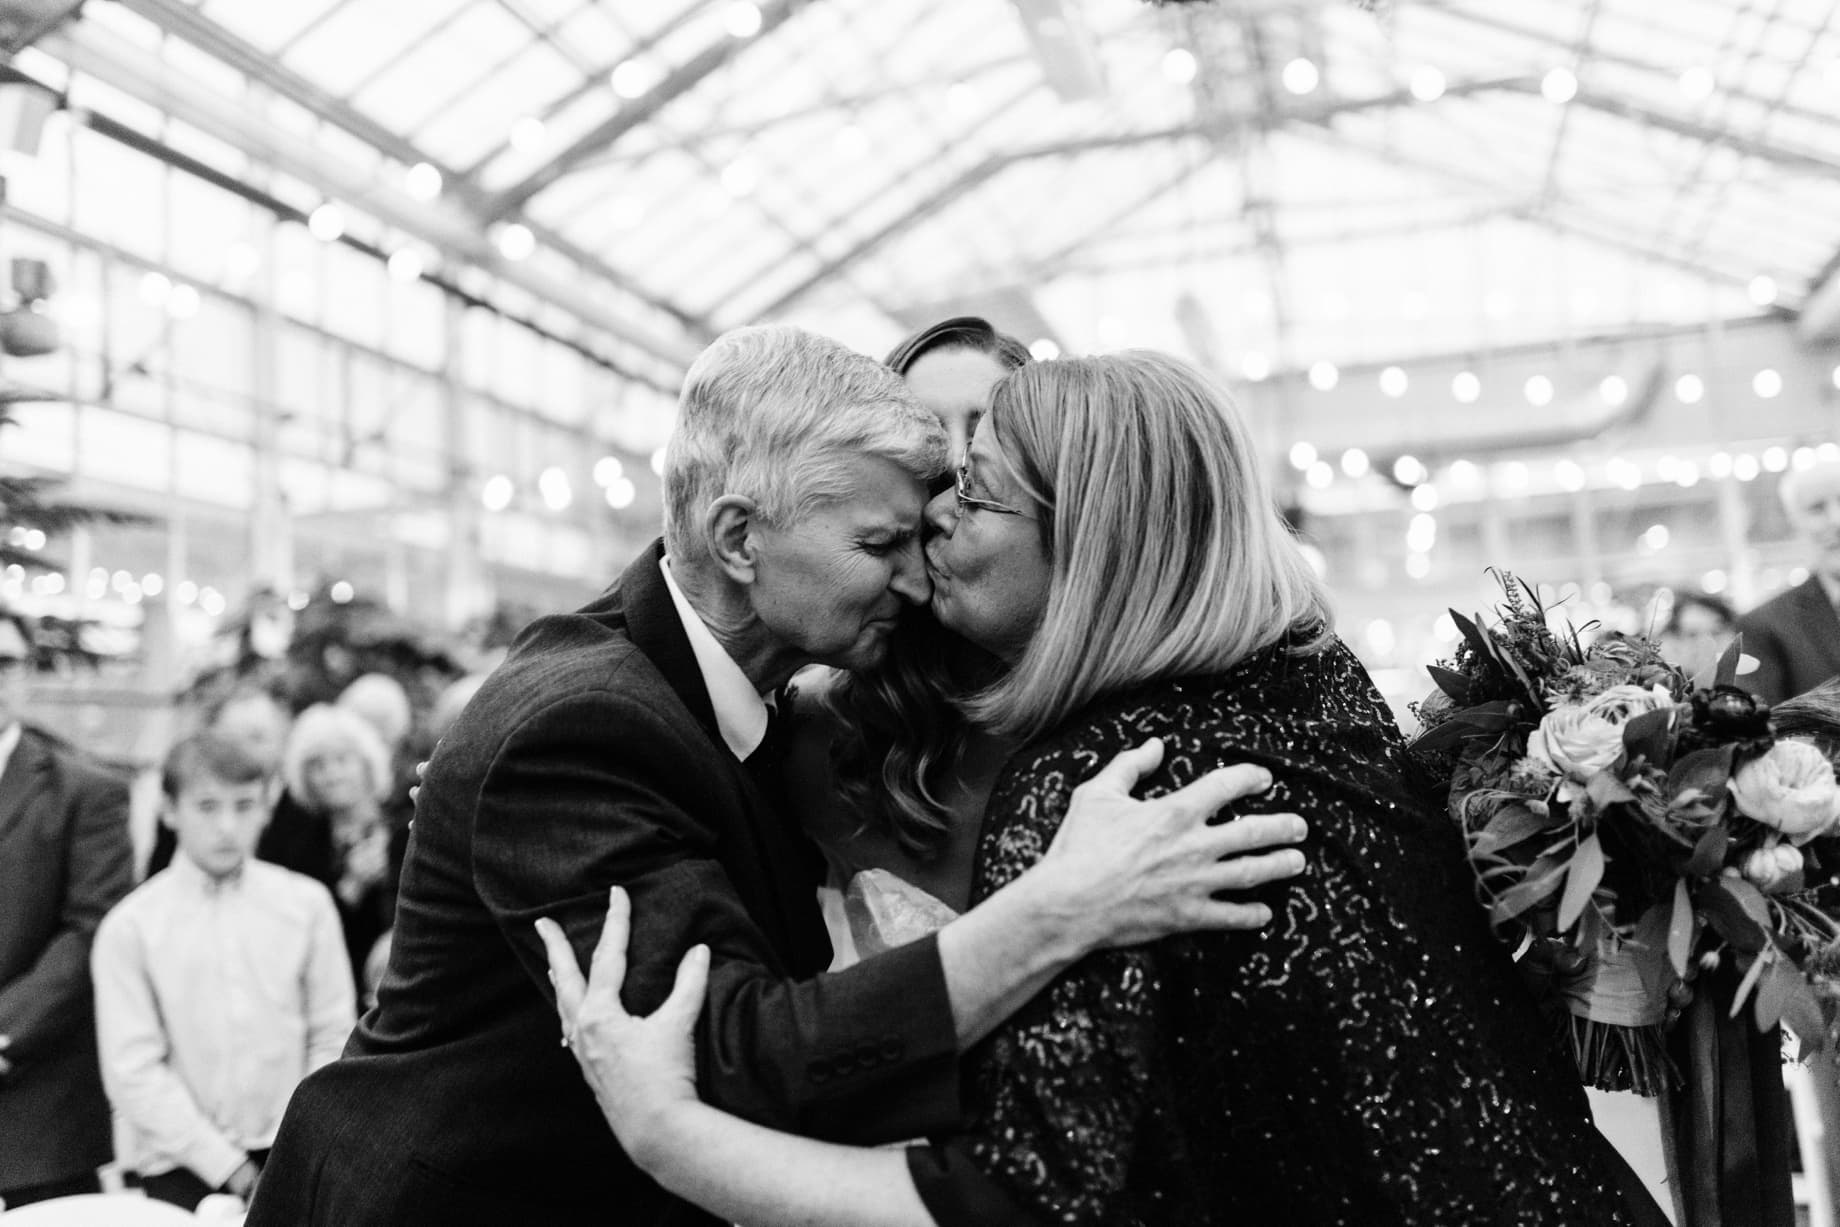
(1614, 1012)
(1732, 1122)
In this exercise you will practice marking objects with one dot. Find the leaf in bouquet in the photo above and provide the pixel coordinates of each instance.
(1489, 718)
(1709, 852)
(1582, 875)
(1537, 886)
(1736, 909)
(1706, 771)
(1646, 736)
(1680, 928)
(1725, 669)
(1451, 683)
(1752, 975)
(1777, 989)
(1513, 824)
(1480, 642)
(1801, 1012)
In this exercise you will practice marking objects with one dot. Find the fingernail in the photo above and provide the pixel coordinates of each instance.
(1296, 862)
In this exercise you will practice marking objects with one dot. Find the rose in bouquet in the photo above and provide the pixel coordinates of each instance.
(1647, 826)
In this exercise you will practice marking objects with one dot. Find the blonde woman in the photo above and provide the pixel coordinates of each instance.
(1370, 1057)
(336, 766)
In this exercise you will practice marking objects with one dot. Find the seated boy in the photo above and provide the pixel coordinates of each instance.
(220, 983)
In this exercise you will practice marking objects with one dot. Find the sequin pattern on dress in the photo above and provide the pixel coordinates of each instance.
(1369, 1058)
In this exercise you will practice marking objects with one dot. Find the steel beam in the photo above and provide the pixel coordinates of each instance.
(130, 69)
(184, 22)
(1316, 114)
(681, 81)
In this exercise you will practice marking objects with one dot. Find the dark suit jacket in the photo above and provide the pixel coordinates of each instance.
(589, 759)
(1795, 637)
(65, 860)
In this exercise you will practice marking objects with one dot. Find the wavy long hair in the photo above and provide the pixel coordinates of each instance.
(900, 735)
(1168, 556)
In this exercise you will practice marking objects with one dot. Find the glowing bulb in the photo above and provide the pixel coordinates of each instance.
(634, 78)
(1179, 66)
(1570, 475)
(1775, 459)
(1355, 462)
(1303, 455)
(527, 134)
(620, 493)
(1697, 83)
(739, 178)
(1539, 390)
(327, 222)
(1762, 290)
(1745, 467)
(1425, 498)
(1408, 471)
(1559, 86)
(1418, 566)
(515, 241)
(1427, 84)
(156, 288)
(553, 485)
(1255, 367)
(342, 593)
(1044, 349)
(1301, 76)
(1614, 389)
(423, 181)
(1689, 389)
(658, 462)
(742, 19)
(496, 494)
(1767, 383)
(1324, 376)
(1393, 381)
(406, 264)
(608, 470)
(1466, 387)
(1320, 475)
(184, 302)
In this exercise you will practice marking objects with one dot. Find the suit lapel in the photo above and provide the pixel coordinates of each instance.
(770, 846)
(28, 773)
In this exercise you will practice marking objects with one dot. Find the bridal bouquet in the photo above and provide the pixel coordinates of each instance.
(1645, 827)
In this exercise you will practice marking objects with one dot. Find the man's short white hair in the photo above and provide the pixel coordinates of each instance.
(775, 413)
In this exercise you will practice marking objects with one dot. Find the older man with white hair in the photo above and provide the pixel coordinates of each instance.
(630, 744)
(1796, 635)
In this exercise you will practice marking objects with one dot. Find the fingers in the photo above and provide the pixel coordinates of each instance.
(1235, 917)
(564, 971)
(686, 999)
(1222, 786)
(607, 973)
(1248, 872)
(1126, 769)
(1256, 833)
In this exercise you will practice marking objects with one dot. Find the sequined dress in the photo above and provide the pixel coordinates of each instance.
(1368, 1058)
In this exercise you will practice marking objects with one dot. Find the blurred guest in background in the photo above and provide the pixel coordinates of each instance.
(1698, 628)
(253, 717)
(952, 366)
(220, 983)
(65, 860)
(339, 769)
(1796, 635)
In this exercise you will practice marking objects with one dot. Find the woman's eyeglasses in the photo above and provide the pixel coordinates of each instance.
(962, 488)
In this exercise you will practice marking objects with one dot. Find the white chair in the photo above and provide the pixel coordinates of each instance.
(128, 1209)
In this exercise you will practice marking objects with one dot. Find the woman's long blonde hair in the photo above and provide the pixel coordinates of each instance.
(1168, 555)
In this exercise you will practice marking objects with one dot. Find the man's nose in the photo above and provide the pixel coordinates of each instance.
(942, 513)
(910, 581)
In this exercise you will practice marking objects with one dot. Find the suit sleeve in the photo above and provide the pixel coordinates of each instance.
(594, 792)
(52, 1000)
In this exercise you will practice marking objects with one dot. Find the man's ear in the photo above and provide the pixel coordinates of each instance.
(730, 527)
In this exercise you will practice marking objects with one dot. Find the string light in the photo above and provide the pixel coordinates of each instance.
(1393, 381)
(1324, 376)
(1466, 387)
(1427, 84)
(1303, 455)
(1301, 76)
(1559, 86)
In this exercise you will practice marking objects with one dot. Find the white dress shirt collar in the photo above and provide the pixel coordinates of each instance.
(196, 880)
(9, 741)
(741, 713)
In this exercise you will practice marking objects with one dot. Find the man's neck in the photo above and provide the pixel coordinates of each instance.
(724, 609)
